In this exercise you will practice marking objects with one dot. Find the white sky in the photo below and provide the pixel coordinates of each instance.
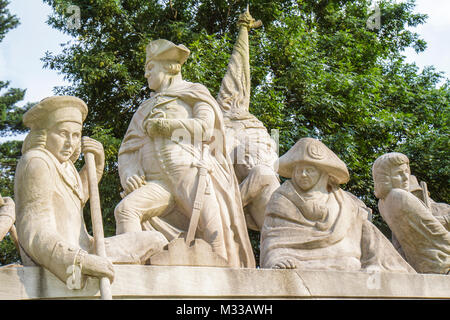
(436, 32)
(24, 46)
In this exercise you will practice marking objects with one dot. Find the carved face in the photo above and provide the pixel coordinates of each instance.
(155, 74)
(306, 176)
(400, 177)
(63, 139)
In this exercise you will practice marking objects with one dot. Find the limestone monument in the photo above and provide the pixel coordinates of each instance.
(50, 195)
(420, 225)
(196, 174)
(251, 148)
(176, 174)
(313, 224)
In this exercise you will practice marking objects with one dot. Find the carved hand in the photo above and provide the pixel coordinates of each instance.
(95, 147)
(133, 183)
(285, 264)
(96, 266)
(157, 127)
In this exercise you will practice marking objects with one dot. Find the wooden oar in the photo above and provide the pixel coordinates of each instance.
(97, 223)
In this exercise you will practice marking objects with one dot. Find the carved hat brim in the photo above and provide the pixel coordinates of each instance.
(55, 109)
(313, 151)
(164, 50)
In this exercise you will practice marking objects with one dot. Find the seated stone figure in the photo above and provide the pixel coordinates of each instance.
(50, 195)
(311, 223)
(423, 236)
(7, 216)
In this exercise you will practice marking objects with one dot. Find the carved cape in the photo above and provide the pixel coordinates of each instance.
(348, 242)
(223, 177)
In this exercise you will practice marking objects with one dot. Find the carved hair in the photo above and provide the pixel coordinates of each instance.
(171, 67)
(381, 172)
(37, 139)
(333, 184)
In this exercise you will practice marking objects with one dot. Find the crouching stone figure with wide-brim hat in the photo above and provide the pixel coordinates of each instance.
(311, 223)
(50, 195)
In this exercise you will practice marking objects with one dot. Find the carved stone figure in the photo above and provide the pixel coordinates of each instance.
(422, 232)
(439, 210)
(174, 167)
(313, 224)
(250, 146)
(7, 215)
(50, 195)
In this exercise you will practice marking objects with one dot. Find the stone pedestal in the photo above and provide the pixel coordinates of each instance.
(161, 282)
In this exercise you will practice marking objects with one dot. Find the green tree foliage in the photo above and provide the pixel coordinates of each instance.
(317, 70)
(7, 20)
(10, 124)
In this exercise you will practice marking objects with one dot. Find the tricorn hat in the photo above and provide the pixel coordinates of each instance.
(313, 151)
(165, 50)
(55, 109)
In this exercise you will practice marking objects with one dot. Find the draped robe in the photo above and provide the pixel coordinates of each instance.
(341, 240)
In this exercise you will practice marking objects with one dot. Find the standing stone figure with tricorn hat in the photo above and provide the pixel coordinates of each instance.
(313, 224)
(50, 195)
(173, 166)
(420, 225)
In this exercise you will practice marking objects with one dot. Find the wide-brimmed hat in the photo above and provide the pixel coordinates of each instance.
(313, 151)
(55, 109)
(165, 50)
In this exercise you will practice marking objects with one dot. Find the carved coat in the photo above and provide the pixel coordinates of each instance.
(160, 158)
(50, 224)
(49, 204)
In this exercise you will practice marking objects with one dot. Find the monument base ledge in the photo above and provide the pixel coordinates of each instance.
(174, 282)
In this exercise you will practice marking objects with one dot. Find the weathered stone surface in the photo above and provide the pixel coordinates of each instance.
(311, 223)
(251, 148)
(421, 226)
(7, 216)
(173, 282)
(179, 253)
(174, 169)
(50, 194)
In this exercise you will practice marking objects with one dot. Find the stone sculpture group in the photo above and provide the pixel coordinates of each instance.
(196, 173)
